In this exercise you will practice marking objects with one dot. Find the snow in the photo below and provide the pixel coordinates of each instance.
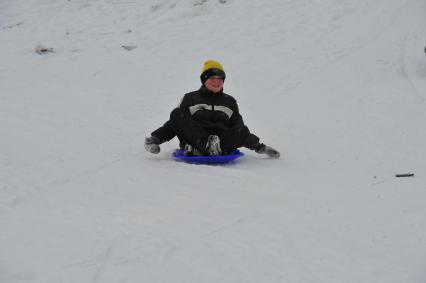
(337, 86)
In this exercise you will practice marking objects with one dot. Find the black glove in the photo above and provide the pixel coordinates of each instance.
(152, 144)
(269, 151)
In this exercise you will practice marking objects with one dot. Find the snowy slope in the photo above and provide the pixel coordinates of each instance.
(337, 86)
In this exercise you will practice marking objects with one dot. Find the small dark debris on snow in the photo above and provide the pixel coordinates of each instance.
(129, 47)
(12, 26)
(40, 49)
(200, 3)
(404, 175)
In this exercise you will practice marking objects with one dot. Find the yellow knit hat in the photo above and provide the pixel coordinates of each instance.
(212, 64)
(212, 68)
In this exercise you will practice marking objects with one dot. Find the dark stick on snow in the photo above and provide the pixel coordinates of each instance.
(405, 175)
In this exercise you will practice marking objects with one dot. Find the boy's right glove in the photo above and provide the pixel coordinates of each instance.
(152, 144)
(269, 151)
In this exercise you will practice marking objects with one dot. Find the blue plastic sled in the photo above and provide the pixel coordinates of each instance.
(218, 159)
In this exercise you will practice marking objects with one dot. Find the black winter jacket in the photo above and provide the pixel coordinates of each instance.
(216, 112)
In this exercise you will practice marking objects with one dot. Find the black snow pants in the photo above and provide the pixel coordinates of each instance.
(189, 131)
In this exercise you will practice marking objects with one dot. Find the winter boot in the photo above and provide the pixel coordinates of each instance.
(213, 145)
(189, 150)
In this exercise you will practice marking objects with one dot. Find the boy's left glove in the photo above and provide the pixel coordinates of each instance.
(152, 144)
(269, 151)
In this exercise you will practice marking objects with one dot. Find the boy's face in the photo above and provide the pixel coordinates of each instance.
(214, 84)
